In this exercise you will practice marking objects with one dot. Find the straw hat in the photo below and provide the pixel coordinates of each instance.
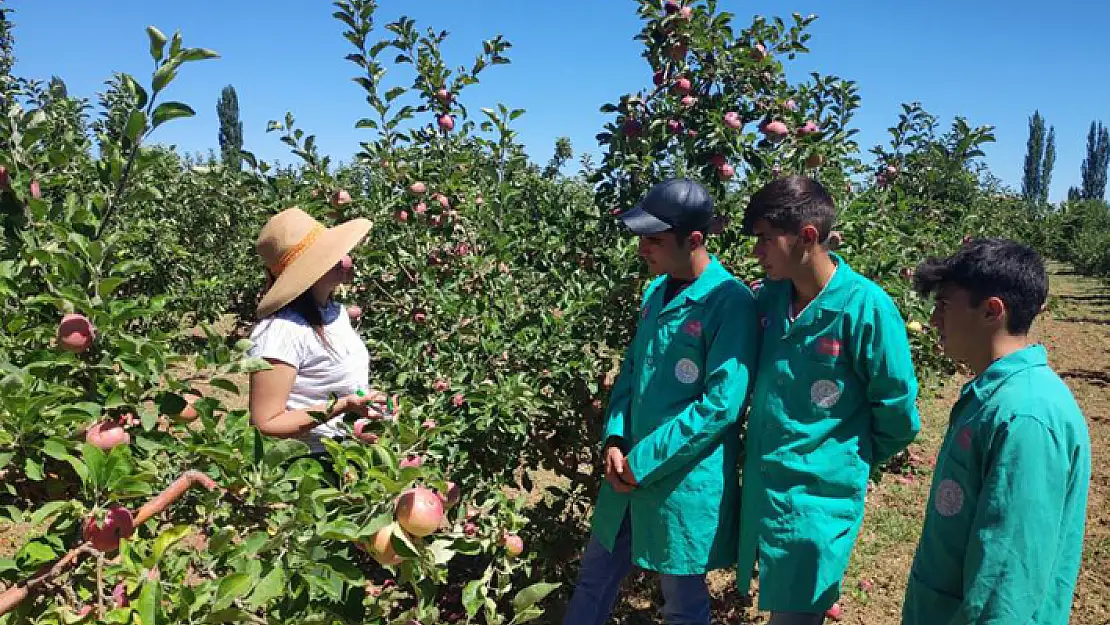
(298, 251)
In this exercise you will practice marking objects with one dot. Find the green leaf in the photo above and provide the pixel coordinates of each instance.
(268, 588)
(33, 469)
(136, 123)
(198, 54)
(231, 588)
(283, 450)
(532, 595)
(224, 384)
(163, 76)
(48, 510)
(150, 603)
(251, 365)
(34, 554)
(134, 87)
(109, 285)
(170, 110)
(157, 43)
(339, 529)
(473, 595)
(95, 460)
(165, 540)
(441, 551)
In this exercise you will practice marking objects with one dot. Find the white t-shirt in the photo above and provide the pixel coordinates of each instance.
(288, 337)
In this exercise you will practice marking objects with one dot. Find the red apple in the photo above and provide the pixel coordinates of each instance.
(411, 461)
(674, 126)
(671, 7)
(419, 511)
(514, 545)
(107, 434)
(444, 96)
(775, 131)
(687, 13)
(809, 128)
(732, 120)
(689, 101)
(381, 547)
(657, 78)
(354, 312)
(632, 128)
(682, 86)
(401, 215)
(36, 191)
(418, 188)
(118, 524)
(446, 123)
(758, 52)
(75, 333)
(725, 172)
(340, 197)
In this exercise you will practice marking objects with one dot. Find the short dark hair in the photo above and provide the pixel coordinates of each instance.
(790, 204)
(992, 267)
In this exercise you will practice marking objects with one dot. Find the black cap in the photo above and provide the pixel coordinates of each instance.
(678, 204)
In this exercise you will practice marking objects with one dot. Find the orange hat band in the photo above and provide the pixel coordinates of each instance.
(294, 252)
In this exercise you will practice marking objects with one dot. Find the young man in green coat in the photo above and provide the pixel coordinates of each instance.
(669, 500)
(833, 398)
(1004, 524)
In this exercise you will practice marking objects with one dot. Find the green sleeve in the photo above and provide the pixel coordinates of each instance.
(1016, 523)
(884, 359)
(730, 368)
(620, 398)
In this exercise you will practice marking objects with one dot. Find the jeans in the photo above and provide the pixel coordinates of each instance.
(686, 597)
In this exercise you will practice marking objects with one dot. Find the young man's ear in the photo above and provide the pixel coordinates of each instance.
(696, 239)
(994, 308)
(809, 235)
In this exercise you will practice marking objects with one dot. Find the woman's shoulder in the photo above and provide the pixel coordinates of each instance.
(283, 322)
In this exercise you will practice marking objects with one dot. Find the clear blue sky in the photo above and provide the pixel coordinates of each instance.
(993, 61)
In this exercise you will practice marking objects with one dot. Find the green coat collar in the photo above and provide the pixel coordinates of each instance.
(713, 275)
(986, 383)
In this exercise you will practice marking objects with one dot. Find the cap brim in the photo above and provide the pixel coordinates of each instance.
(311, 265)
(642, 222)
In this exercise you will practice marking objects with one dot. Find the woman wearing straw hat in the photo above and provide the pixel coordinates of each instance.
(305, 335)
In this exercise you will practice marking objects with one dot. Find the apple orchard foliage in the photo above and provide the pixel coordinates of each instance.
(496, 301)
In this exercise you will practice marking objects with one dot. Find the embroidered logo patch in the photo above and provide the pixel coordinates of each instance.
(828, 346)
(824, 393)
(950, 498)
(755, 285)
(692, 327)
(765, 321)
(686, 371)
(963, 439)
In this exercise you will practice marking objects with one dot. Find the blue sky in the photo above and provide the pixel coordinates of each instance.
(992, 61)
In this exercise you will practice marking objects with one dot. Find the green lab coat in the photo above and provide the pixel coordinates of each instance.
(675, 405)
(1004, 525)
(835, 395)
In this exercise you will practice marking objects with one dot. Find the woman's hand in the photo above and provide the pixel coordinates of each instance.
(366, 406)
